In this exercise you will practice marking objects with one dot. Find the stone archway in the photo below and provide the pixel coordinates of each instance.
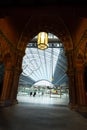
(55, 25)
(51, 24)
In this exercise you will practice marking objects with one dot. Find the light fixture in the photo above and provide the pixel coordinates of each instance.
(42, 40)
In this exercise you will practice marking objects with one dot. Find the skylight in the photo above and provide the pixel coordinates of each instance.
(49, 64)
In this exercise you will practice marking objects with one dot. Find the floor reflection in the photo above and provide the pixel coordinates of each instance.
(44, 99)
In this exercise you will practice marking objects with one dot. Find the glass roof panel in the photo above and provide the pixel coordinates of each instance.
(49, 64)
(39, 64)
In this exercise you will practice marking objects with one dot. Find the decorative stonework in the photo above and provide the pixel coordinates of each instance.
(6, 47)
(7, 41)
(81, 50)
(52, 24)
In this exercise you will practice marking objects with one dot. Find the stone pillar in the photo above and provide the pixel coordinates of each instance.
(72, 87)
(72, 91)
(7, 84)
(17, 73)
(81, 93)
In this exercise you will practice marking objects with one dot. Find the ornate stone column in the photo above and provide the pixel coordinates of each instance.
(71, 75)
(7, 84)
(81, 93)
(17, 72)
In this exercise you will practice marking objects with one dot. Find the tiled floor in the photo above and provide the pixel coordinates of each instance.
(29, 116)
(41, 113)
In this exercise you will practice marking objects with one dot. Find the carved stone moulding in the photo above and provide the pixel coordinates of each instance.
(53, 25)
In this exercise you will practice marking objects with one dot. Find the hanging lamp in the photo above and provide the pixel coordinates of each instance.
(42, 40)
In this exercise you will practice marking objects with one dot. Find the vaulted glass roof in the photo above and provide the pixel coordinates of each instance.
(49, 64)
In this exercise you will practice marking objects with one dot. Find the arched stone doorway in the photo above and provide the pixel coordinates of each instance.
(56, 26)
(76, 55)
(34, 25)
(44, 65)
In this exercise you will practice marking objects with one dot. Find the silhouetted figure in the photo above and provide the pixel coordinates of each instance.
(34, 94)
(30, 93)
